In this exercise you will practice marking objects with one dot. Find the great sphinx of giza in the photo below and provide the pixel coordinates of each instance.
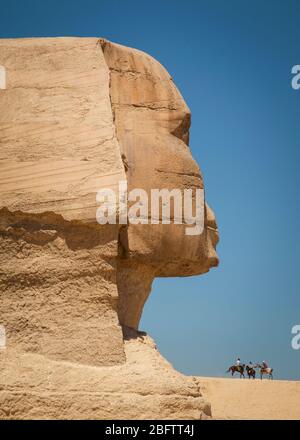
(77, 114)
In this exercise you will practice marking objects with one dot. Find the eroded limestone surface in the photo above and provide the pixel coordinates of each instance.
(78, 115)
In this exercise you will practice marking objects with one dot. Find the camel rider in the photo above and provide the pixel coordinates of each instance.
(264, 365)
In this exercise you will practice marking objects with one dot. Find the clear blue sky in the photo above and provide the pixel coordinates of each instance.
(232, 62)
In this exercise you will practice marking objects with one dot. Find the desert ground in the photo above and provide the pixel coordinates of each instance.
(252, 399)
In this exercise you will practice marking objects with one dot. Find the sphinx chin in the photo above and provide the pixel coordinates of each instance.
(78, 115)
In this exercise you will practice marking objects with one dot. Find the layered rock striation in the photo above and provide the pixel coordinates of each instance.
(78, 115)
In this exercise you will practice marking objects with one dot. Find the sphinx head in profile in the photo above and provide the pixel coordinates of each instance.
(69, 128)
(152, 123)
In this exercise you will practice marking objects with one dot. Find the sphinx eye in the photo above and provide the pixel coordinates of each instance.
(2, 77)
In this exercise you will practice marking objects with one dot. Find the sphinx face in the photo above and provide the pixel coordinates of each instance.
(65, 125)
(152, 123)
(57, 124)
(69, 287)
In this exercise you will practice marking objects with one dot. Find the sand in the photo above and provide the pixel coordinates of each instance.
(252, 399)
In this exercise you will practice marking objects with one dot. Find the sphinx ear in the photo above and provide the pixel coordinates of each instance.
(2, 77)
